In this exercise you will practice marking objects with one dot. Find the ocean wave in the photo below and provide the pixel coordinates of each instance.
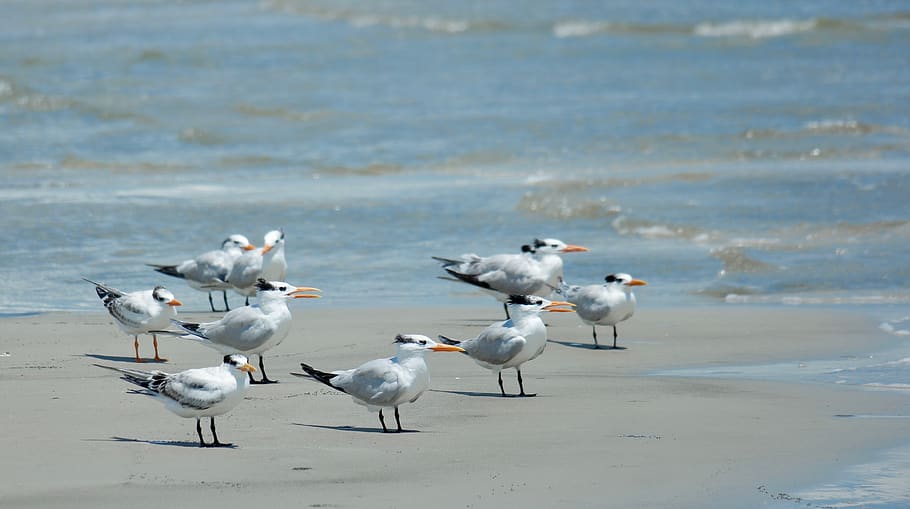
(755, 29)
(564, 207)
(282, 113)
(815, 300)
(72, 162)
(373, 169)
(895, 327)
(360, 19)
(825, 127)
(625, 225)
(736, 261)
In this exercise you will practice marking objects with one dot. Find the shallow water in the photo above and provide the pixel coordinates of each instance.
(754, 152)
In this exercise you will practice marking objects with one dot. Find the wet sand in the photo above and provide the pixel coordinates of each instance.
(602, 431)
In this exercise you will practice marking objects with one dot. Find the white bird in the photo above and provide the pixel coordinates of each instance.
(386, 383)
(603, 304)
(511, 343)
(202, 392)
(268, 263)
(208, 271)
(251, 329)
(535, 271)
(141, 312)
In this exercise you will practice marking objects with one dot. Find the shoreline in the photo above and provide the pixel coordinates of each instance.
(601, 429)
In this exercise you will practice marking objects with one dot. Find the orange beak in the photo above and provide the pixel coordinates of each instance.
(174, 302)
(249, 247)
(266, 249)
(636, 282)
(447, 348)
(247, 368)
(575, 249)
(553, 309)
(305, 295)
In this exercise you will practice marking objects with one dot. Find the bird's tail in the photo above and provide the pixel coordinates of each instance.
(168, 270)
(446, 262)
(190, 328)
(449, 341)
(133, 376)
(105, 293)
(321, 376)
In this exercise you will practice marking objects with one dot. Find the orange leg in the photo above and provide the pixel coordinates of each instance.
(155, 342)
(136, 346)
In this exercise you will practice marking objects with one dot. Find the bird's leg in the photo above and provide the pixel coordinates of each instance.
(136, 346)
(224, 294)
(215, 442)
(614, 336)
(252, 380)
(503, 391)
(211, 304)
(521, 386)
(247, 302)
(382, 421)
(398, 419)
(155, 342)
(199, 432)
(265, 379)
(506, 308)
(594, 332)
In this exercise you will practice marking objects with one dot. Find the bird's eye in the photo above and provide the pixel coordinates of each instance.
(553, 245)
(423, 341)
(283, 288)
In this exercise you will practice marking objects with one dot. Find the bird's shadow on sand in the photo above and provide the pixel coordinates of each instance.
(355, 429)
(119, 358)
(585, 346)
(474, 394)
(170, 443)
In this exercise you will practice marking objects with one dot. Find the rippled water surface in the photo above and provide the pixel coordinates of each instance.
(751, 152)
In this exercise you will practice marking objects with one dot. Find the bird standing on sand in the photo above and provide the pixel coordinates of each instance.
(511, 343)
(139, 312)
(386, 383)
(268, 263)
(202, 392)
(208, 271)
(535, 271)
(604, 304)
(251, 329)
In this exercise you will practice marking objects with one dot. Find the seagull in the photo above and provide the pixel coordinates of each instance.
(606, 304)
(268, 263)
(202, 392)
(535, 271)
(511, 343)
(386, 383)
(139, 312)
(250, 329)
(208, 271)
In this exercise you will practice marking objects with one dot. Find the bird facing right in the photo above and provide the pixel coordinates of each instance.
(603, 304)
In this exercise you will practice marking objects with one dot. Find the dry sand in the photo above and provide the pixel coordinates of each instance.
(600, 433)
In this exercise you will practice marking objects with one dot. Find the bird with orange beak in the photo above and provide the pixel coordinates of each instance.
(603, 304)
(142, 312)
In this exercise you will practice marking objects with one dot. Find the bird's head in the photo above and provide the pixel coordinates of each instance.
(272, 240)
(164, 296)
(238, 362)
(551, 246)
(237, 241)
(532, 305)
(281, 290)
(418, 343)
(624, 281)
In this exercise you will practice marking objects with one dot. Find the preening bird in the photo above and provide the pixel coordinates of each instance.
(251, 329)
(386, 383)
(534, 271)
(511, 343)
(139, 312)
(208, 271)
(603, 304)
(201, 392)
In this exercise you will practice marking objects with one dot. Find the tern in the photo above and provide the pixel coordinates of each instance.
(250, 329)
(268, 263)
(208, 271)
(201, 392)
(139, 312)
(603, 304)
(386, 383)
(535, 271)
(511, 343)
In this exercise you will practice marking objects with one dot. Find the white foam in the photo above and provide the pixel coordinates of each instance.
(759, 29)
(579, 28)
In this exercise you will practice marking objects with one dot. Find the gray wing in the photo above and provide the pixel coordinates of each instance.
(592, 302)
(195, 388)
(375, 382)
(242, 329)
(507, 273)
(208, 267)
(246, 269)
(497, 344)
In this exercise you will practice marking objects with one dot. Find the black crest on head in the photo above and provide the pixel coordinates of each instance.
(525, 300)
(401, 339)
(527, 249)
(539, 243)
(228, 360)
(264, 285)
(282, 233)
(610, 279)
(157, 289)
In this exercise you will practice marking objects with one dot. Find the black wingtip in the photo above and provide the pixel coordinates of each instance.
(167, 270)
(448, 341)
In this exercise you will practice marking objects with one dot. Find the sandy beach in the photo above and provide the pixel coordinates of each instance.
(602, 431)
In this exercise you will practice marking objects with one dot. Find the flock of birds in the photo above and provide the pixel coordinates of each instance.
(518, 280)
